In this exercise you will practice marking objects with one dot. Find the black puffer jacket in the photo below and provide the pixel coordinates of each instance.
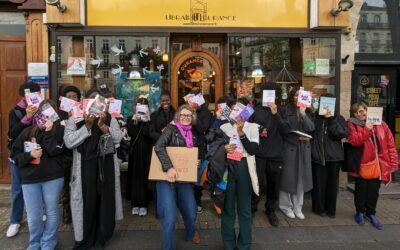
(326, 145)
(170, 137)
(204, 117)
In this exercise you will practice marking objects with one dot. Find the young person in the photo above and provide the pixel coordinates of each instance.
(379, 151)
(93, 185)
(42, 178)
(19, 118)
(296, 176)
(171, 194)
(242, 182)
(327, 155)
(269, 157)
(139, 161)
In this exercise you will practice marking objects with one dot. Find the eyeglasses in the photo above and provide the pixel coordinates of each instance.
(360, 112)
(185, 116)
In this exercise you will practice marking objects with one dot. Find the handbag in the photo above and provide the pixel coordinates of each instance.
(106, 145)
(371, 170)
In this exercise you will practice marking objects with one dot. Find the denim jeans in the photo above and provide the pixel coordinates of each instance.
(17, 199)
(43, 235)
(169, 197)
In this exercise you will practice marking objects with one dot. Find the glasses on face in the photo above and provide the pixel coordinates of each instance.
(185, 116)
(360, 112)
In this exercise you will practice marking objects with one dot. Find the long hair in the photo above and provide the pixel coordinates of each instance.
(35, 130)
(187, 107)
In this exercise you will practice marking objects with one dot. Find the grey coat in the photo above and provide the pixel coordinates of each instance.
(74, 137)
(297, 154)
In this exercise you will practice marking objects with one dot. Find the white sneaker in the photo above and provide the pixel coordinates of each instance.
(13, 230)
(44, 218)
(142, 211)
(300, 215)
(289, 214)
(199, 209)
(135, 211)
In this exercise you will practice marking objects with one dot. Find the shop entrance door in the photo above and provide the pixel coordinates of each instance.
(377, 88)
(12, 75)
(197, 68)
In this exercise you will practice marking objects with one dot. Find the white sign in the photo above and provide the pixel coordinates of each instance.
(268, 96)
(76, 66)
(374, 115)
(38, 69)
(322, 66)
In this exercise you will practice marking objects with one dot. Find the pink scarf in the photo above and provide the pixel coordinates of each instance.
(186, 132)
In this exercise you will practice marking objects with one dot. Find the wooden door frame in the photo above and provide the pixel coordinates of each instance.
(184, 55)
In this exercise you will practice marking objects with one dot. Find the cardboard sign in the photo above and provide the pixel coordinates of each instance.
(326, 104)
(268, 96)
(304, 99)
(374, 115)
(183, 159)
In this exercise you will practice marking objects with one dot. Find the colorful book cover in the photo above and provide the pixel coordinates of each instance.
(33, 99)
(96, 106)
(198, 99)
(304, 99)
(66, 104)
(241, 112)
(114, 108)
(143, 111)
(326, 104)
(49, 112)
(374, 115)
(236, 155)
(29, 146)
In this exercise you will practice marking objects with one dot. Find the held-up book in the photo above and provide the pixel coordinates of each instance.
(374, 115)
(66, 104)
(33, 98)
(299, 133)
(115, 108)
(326, 104)
(304, 99)
(29, 146)
(49, 113)
(241, 112)
(226, 112)
(236, 155)
(268, 96)
(143, 111)
(96, 106)
(198, 99)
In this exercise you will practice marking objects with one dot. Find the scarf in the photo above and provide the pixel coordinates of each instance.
(356, 121)
(186, 132)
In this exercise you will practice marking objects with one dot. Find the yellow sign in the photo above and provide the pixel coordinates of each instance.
(199, 13)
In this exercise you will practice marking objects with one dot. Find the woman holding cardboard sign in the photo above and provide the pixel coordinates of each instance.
(378, 161)
(172, 194)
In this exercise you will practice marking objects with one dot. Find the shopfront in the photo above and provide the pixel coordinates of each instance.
(187, 45)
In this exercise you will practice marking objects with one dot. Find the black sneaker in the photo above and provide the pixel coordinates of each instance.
(272, 219)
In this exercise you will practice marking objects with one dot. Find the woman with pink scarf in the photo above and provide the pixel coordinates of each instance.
(172, 194)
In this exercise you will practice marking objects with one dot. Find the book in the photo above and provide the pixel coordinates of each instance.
(77, 112)
(29, 146)
(96, 106)
(326, 104)
(49, 113)
(304, 99)
(143, 111)
(226, 112)
(241, 112)
(374, 115)
(33, 98)
(198, 99)
(114, 108)
(268, 96)
(66, 104)
(297, 132)
(236, 155)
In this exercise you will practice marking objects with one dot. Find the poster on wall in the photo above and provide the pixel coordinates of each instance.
(322, 67)
(245, 88)
(76, 66)
(308, 67)
(153, 79)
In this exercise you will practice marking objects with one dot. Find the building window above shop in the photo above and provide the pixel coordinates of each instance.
(138, 44)
(105, 74)
(377, 19)
(89, 44)
(154, 43)
(106, 48)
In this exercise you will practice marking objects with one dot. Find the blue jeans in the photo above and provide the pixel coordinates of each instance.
(43, 235)
(17, 199)
(169, 197)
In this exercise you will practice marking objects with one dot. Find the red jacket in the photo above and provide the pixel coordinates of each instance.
(388, 157)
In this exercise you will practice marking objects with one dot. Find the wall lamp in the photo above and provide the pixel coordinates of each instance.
(344, 5)
(61, 7)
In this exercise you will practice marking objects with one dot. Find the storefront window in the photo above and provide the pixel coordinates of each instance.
(309, 62)
(374, 31)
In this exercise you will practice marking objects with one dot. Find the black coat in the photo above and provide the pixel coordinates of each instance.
(204, 118)
(15, 127)
(216, 155)
(170, 137)
(270, 147)
(326, 145)
(159, 120)
(51, 164)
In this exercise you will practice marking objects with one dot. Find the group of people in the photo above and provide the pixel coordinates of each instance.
(286, 152)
